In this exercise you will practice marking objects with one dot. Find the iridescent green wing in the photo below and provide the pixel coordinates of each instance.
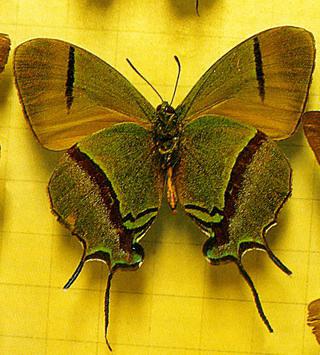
(68, 93)
(107, 190)
(311, 127)
(232, 181)
(262, 82)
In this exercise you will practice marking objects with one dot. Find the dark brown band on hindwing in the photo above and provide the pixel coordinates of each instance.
(259, 67)
(106, 192)
(70, 79)
(109, 199)
(234, 187)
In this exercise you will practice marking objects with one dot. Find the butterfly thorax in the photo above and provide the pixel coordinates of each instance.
(166, 133)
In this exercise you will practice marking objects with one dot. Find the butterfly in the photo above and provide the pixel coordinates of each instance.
(214, 154)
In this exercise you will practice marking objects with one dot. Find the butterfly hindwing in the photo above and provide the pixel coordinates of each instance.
(263, 82)
(68, 93)
(232, 181)
(227, 176)
(107, 190)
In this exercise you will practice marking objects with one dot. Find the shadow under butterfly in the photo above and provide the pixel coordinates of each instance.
(215, 153)
(311, 127)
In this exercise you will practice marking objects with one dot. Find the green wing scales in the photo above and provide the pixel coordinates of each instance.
(107, 189)
(232, 181)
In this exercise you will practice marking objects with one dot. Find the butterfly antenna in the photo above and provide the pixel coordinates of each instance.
(78, 269)
(142, 77)
(177, 80)
(246, 276)
(106, 309)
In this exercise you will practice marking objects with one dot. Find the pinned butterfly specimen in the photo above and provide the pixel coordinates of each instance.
(311, 127)
(314, 318)
(214, 154)
(4, 50)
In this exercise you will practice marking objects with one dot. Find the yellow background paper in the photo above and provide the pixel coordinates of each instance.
(176, 303)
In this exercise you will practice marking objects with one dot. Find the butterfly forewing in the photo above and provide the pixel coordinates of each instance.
(263, 82)
(68, 93)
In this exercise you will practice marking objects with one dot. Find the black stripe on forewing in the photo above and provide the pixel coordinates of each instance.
(259, 67)
(110, 199)
(70, 79)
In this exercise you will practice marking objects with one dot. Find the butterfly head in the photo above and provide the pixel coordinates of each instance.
(166, 113)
